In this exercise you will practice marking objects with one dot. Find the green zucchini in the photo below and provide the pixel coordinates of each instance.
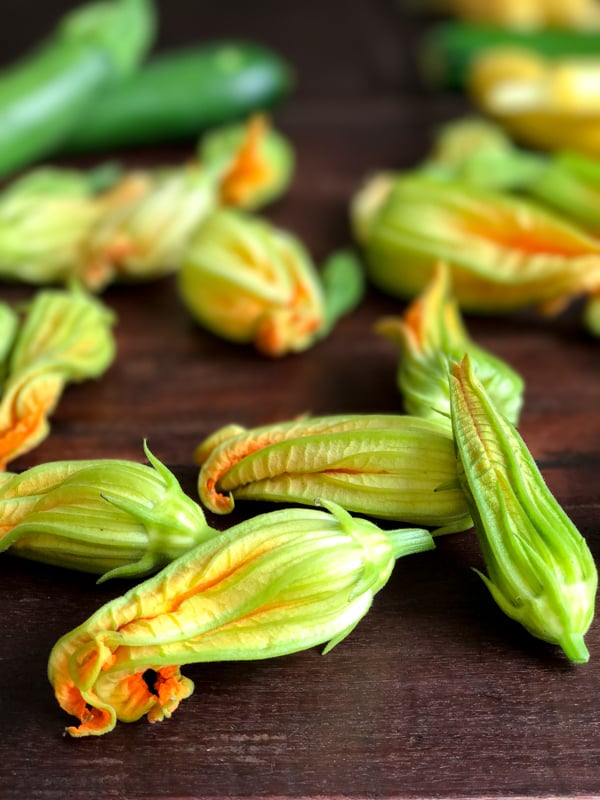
(43, 95)
(448, 48)
(178, 94)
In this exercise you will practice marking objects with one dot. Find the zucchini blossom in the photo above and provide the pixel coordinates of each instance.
(252, 163)
(151, 216)
(65, 337)
(275, 584)
(387, 466)
(540, 570)
(250, 282)
(57, 225)
(429, 335)
(478, 152)
(148, 220)
(45, 217)
(109, 517)
(547, 103)
(505, 253)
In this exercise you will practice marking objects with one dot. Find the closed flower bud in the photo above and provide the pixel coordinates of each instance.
(100, 226)
(252, 163)
(27, 403)
(109, 517)
(66, 331)
(504, 253)
(147, 223)
(480, 153)
(151, 216)
(45, 217)
(249, 282)
(386, 466)
(275, 584)
(540, 570)
(65, 336)
(429, 335)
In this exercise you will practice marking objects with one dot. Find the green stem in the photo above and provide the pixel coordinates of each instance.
(575, 648)
(406, 541)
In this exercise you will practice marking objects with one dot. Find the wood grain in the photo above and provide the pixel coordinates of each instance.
(436, 694)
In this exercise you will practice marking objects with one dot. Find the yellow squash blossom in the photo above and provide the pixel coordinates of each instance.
(540, 570)
(150, 216)
(429, 335)
(253, 163)
(65, 337)
(504, 252)
(45, 218)
(383, 465)
(478, 152)
(148, 219)
(106, 225)
(275, 584)
(250, 282)
(110, 517)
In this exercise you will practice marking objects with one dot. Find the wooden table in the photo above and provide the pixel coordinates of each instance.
(436, 694)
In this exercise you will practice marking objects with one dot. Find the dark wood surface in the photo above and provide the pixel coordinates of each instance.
(435, 694)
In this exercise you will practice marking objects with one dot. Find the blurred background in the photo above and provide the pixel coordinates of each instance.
(358, 102)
